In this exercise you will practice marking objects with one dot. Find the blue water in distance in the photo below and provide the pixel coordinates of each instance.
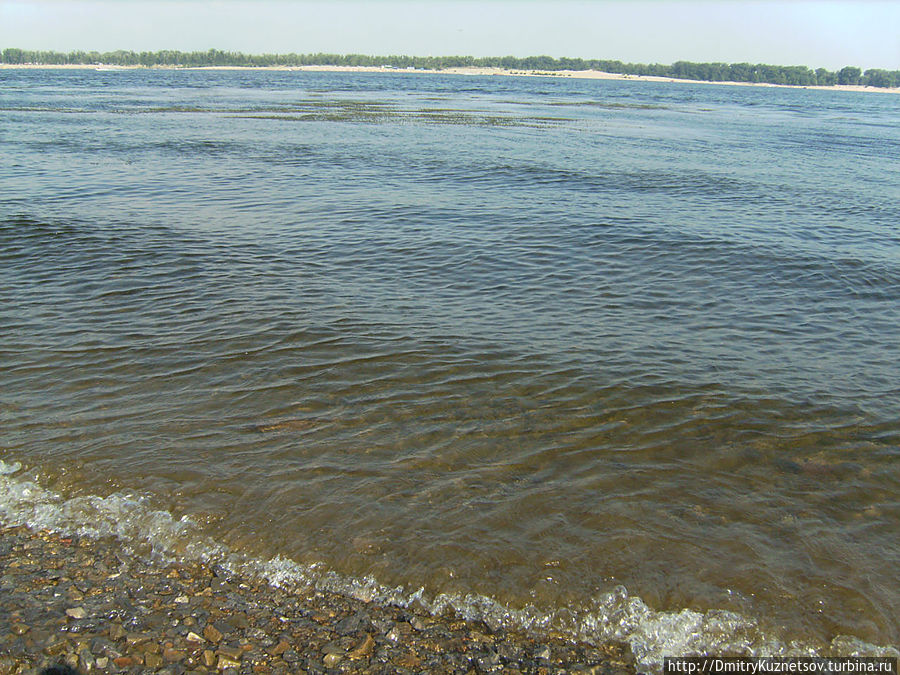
(620, 357)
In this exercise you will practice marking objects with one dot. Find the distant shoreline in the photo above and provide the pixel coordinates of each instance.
(478, 71)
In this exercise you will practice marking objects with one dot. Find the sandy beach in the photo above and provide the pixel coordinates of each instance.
(494, 72)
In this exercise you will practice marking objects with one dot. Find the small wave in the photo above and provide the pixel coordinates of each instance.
(615, 615)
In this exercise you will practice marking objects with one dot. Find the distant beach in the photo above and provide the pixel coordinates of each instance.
(476, 71)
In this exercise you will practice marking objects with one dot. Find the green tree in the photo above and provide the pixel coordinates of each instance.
(825, 78)
(849, 75)
(13, 56)
(875, 77)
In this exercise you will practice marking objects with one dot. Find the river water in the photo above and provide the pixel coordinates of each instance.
(613, 359)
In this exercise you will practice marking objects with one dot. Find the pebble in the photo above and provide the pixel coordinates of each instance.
(153, 661)
(212, 634)
(409, 661)
(232, 653)
(209, 658)
(131, 618)
(172, 655)
(364, 649)
(225, 662)
(280, 648)
(331, 660)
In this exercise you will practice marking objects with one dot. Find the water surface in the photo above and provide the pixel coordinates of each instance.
(613, 358)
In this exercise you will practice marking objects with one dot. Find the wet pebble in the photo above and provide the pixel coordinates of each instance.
(133, 616)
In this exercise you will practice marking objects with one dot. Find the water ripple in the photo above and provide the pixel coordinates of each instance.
(516, 364)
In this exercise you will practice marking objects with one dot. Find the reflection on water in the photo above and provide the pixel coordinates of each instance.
(526, 340)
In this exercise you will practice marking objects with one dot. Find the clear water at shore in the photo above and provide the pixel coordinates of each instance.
(614, 358)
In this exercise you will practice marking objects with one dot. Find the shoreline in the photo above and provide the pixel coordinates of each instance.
(93, 606)
(471, 71)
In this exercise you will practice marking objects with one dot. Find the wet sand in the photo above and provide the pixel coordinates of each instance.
(94, 607)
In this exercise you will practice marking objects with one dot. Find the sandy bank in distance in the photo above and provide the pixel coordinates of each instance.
(500, 72)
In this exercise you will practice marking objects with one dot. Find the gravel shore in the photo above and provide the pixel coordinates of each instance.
(89, 605)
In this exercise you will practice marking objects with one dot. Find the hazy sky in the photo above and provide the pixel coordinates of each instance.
(798, 32)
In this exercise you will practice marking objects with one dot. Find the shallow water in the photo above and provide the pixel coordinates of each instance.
(613, 358)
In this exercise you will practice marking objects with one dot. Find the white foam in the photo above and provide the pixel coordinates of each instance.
(128, 517)
(8, 468)
(613, 616)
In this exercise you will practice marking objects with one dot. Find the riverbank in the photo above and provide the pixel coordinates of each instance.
(91, 605)
(497, 72)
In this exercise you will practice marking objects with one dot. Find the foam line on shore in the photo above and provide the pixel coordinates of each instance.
(614, 616)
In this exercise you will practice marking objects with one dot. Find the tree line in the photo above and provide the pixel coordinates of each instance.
(685, 70)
